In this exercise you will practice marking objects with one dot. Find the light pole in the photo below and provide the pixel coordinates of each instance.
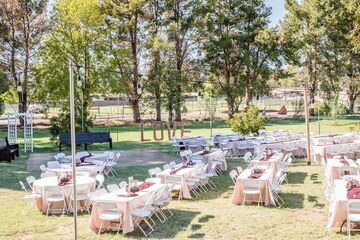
(73, 143)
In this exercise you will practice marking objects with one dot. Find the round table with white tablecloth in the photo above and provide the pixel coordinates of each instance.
(40, 185)
(66, 168)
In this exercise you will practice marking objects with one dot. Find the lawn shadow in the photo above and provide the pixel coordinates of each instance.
(314, 199)
(297, 177)
(293, 200)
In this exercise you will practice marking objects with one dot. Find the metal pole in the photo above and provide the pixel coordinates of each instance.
(73, 144)
(308, 150)
(318, 117)
(82, 112)
(210, 116)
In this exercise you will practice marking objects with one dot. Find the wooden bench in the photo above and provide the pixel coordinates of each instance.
(85, 138)
(8, 151)
(14, 148)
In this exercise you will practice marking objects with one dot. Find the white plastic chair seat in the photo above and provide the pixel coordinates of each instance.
(251, 191)
(110, 215)
(177, 187)
(354, 217)
(139, 212)
(80, 197)
(55, 198)
(32, 196)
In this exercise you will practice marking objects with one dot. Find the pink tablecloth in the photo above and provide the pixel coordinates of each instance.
(41, 184)
(338, 204)
(184, 174)
(125, 204)
(265, 187)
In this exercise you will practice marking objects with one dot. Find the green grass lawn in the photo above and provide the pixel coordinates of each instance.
(211, 216)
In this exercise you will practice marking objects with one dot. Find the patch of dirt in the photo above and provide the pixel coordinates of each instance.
(24, 235)
(317, 216)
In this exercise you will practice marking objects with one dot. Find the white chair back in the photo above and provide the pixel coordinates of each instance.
(53, 164)
(30, 180)
(166, 166)
(43, 168)
(123, 184)
(100, 180)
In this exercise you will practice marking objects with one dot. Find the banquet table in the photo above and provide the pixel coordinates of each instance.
(265, 188)
(209, 157)
(184, 174)
(334, 165)
(66, 168)
(275, 160)
(125, 204)
(338, 204)
(40, 185)
(322, 151)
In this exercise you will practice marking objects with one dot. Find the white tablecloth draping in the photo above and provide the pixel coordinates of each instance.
(184, 174)
(334, 165)
(41, 184)
(125, 204)
(338, 204)
(265, 188)
(208, 158)
(66, 168)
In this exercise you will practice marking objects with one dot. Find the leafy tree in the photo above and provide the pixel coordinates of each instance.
(247, 122)
(23, 24)
(301, 36)
(240, 49)
(74, 37)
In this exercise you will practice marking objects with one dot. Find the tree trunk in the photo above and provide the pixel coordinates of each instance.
(231, 106)
(136, 110)
(178, 104)
(249, 96)
(352, 99)
(158, 107)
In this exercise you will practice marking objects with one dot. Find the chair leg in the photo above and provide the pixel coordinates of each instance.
(101, 225)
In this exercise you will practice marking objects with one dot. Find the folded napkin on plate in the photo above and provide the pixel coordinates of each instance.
(83, 158)
(353, 193)
(145, 185)
(65, 183)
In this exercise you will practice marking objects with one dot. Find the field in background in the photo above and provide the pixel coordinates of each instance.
(127, 137)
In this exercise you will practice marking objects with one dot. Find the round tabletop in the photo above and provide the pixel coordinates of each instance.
(53, 181)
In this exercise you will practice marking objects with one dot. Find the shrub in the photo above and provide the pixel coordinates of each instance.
(61, 123)
(298, 106)
(332, 109)
(247, 122)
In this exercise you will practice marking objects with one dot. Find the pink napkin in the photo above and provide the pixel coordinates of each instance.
(256, 175)
(83, 158)
(353, 193)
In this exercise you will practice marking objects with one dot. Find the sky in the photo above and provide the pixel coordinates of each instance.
(278, 10)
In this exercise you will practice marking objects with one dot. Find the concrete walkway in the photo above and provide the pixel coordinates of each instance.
(128, 158)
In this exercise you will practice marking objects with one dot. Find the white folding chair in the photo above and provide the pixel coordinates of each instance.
(176, 182)
(43, 168)
(112, 187)
(166, 166)
(30, 180)
(123, 184)
(100, 180)
(81, 196)
(239, 169)
(53, 164)
(353, 215)
(54, 194)
(172, 164)
(109, 212)
(32, 197)
(144, 214)
(233, 175)
(251, 187)
(248, 158)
